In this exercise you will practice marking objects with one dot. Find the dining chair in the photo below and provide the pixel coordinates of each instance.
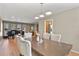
(28, 36)
(46, 36)
(24, 46)
(55, 37)
(38, 36)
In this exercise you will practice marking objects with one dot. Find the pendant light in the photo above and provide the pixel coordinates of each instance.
(41, 14)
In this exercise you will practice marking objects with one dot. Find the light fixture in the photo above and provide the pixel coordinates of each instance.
(48, 13)
(41, 15)
(36, 17)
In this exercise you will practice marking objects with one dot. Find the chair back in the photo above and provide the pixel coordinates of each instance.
(24, 46)
(28, 36)
(56, 37)
(46, 36)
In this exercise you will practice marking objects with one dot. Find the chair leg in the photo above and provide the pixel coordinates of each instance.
(21, 54)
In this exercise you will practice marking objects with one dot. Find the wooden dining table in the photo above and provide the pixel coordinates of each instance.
(51, 48)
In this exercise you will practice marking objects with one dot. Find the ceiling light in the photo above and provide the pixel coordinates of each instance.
(48, 13)
(36, 17)
(41, 16)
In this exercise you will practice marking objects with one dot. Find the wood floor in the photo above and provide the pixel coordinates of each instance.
(8, 47)
(73, 54)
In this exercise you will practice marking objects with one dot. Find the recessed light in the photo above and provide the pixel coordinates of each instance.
(48, 13)
(41, 15)
(36, 17)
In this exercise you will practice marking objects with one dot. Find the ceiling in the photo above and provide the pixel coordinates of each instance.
(28, 11)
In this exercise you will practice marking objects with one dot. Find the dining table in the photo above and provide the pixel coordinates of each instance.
(50, 48)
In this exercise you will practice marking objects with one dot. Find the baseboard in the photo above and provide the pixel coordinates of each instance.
(75, 51)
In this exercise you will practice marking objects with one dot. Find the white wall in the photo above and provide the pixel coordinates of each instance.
(67, 23)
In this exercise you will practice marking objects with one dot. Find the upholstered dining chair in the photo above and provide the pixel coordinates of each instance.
(28, 36)
(24, 46)
(46, 36)
(55, 37)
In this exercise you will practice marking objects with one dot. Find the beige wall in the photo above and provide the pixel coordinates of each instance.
(67, 23)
